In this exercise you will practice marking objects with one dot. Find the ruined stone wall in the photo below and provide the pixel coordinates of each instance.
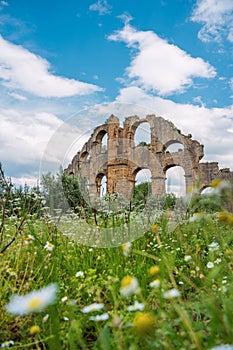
(122, 159)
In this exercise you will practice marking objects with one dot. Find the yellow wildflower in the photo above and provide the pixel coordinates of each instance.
(215, 183)
(144, 323)
(34, 330)
(154, 270)
(154, 228)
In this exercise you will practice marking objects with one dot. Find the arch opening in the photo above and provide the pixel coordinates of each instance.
(85, 157)
(174, 146)
(101, 185)
(142, 135)
(142, 185)
(104, 143)
(175, 181)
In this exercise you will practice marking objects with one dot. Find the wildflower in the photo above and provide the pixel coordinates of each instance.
(223, 347)
(137, 306)
(126, 248)
(79, 274)
(45, 318)
(11, 272)
(154, 270)
(34, 301)
(49, 246)
(218, 260)
(215, 183)
(187, 258)
(29, 239)
(228, 252)
(97, 318)
(213, 246)
(7, 344)
(214, 286)
(230, 220)
(210, 265)
(129, 286)
(172, 293)
(223, 216)
(92, 307)
(195, 217)
(154, 228)
(144, 323)
(155, 283)
(64, 299)
(219, 186)
(34, 330)
(66, 319)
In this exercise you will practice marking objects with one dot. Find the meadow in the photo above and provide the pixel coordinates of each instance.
(171, 288)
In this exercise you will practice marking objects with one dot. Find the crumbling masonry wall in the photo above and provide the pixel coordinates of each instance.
(122, 159)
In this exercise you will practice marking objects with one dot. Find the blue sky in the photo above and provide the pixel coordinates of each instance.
(59, 58)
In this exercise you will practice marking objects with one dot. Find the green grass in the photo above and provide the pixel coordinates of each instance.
(200, 318)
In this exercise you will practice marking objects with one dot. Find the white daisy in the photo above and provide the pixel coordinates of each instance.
(129, 286)
(187, 258)
(79, 274)
(213, 246)
(92, 307)
(34, 301)
(7, 344)
(49, 246)
(126, 248)
(102, 317)
(136, 306)
(172, 293)
(210, 265)
(155, 283)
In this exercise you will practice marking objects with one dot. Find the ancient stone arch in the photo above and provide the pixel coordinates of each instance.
(123, 159)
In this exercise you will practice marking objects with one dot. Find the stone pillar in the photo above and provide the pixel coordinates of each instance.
(158, 185)
(189, 182)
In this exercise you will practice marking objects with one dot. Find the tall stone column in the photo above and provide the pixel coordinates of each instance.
(158, 185)
(189, 182)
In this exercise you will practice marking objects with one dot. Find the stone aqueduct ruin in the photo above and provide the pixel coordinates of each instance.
(122, 159)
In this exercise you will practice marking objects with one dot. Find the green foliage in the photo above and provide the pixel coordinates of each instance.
(187, 301)
(141, 193)
(53, 191)
(19, 201)
(200, 318)
(142, 143)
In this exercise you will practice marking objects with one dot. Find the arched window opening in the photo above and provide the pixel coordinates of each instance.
(104, 143)
(175, 147)
(142, 188)
(142, 134)
(175, 181)
(85, 157)
(103, 186)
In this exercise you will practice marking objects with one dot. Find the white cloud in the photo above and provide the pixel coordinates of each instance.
(24, 137)
(102, 7)
(216, 17)
(31, 181)
(37, 142)
(23, 70)
(159, 66)
(210, 126)
(18, 96)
